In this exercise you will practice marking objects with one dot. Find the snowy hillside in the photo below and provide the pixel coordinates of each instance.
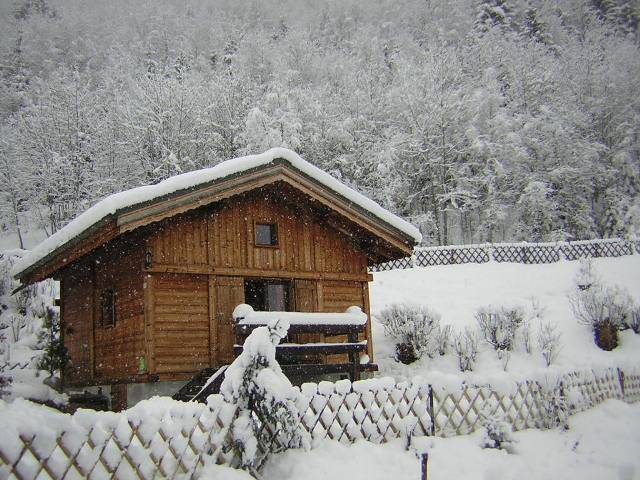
(458, 291)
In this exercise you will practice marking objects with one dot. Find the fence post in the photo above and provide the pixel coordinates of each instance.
(424, 462)
(431, 414)
(621, 380)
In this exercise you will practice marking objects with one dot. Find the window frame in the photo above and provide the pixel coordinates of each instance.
(274, 234)
(108, 308)
(288, 290)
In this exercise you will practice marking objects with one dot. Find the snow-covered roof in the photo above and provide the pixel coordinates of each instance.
(245, 315)
(130, 198)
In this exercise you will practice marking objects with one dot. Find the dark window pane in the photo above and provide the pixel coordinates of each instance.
(108, 308)
(267, 295)
(254, 294)
(277, 297)
(266, 234)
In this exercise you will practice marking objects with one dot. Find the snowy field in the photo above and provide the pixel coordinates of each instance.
(458, 291)
(602, 443)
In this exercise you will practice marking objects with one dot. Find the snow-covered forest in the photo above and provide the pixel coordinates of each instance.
(477, 120)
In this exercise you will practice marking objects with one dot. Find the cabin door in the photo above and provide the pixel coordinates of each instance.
(224, 294)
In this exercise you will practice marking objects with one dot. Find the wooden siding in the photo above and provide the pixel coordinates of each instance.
(305, 243)
(226, 294)
(337, 296)
(118, 349)
(76, 286)
(180, 323)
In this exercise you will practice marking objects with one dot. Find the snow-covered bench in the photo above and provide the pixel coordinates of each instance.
(294, 356)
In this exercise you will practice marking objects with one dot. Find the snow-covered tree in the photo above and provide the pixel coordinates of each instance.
(268, 419)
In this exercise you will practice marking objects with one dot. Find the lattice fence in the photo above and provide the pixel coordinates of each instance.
(531, 253)
(177, 439)
(7, 366)
(170, 443)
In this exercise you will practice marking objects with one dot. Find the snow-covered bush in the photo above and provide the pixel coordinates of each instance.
(268, 420)
(605, 310)
(498, 433)
(525, 335)
(444, 339)
(549, 341)
(5, 385)
(498, 326)
(15, 325)
(586, 276)
(465, 345)
(633, 319)
(554, 406)
(415, 328)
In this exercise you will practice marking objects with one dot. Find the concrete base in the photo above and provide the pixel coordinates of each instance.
(135, 391)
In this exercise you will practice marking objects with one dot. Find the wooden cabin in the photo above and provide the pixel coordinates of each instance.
(149, 277)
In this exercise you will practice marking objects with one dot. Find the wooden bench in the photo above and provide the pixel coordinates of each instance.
(285, 351)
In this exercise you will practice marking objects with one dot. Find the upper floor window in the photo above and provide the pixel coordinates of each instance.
(266, 234)
(108, 308)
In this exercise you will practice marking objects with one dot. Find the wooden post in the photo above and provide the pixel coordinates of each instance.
(621, 380)
(431, 414)
(353, 358)
(424, 464)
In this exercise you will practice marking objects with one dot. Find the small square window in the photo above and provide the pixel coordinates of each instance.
(266, 234)
(108, 307)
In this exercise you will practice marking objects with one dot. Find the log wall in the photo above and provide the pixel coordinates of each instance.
(117, 349)
(176, 312)
(76, 287)
(224, 238)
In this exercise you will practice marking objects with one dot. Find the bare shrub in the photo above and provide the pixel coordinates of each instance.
(605, 310)
(415, 328)
(549, 342)
(633, 319)
(498, 326)
(465, 345)
(444, 339)
(525, 333)
(586, 276)
(16, 324)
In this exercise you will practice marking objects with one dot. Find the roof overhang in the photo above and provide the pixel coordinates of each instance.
(394, 241)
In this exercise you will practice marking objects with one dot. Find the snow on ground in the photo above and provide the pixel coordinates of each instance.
(457, 291)
(601, 443)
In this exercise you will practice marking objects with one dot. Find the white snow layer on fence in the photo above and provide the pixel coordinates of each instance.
(136, 196)
(245, 315)
(161, 437)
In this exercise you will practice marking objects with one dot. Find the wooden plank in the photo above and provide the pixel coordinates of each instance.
(213, 334)
(306, 349)
(308, 328)
(149, 327)
(245, 272)
(229, 293)
(367, 310)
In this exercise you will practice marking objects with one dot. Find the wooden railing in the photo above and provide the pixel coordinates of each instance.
(351, 346)
(529, 253)
(175, 439)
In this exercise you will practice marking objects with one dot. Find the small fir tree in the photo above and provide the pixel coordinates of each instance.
(268, 419)
(55, 356)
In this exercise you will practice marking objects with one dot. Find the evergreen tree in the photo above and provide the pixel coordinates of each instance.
(268, 418)
(55, 356)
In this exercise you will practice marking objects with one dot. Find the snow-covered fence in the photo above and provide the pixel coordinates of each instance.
(380, 410)
(162, 438)
(513, 253)
(7, 366)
